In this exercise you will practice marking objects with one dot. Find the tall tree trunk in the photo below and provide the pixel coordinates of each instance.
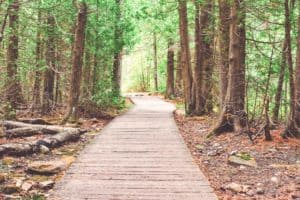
(77, 62)
(204, 56)
(278, 95)
(185, 57)
(2, 29)
(86, 83)
(289, 56)
(39, 54)
(49, 74)
(233, 116)
(95, 56)
(224, 24)
(178, 82)
(170, 71)
(58, 67)
(13, 87)
(118, 50)
(293, 127)
(155, 61)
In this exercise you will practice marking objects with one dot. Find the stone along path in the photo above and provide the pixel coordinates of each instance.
(139, 155)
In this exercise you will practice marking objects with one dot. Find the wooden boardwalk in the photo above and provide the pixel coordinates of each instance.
(139, 155)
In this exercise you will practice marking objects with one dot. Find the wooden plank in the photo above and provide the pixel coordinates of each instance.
(139, 155)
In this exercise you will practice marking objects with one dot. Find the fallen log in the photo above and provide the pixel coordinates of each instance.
(22, 132)
(63, 135)
(47, 129)
(35, 121)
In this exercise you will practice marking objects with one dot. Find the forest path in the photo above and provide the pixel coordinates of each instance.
(139, 155)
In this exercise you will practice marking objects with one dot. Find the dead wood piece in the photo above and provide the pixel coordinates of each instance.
(35, 121)
(48, 129)
(62, 136)
(22, 132)
(17, 149)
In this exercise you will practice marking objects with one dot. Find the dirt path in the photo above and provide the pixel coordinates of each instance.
(139, 155)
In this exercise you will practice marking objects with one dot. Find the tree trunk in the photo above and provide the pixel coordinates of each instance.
(289, 56)
(86, 83)
(13, 87)
(278, 95)
(185, 57)
(77, 62)
(155, 62)
(49, 75)
(4, 24)
(224, 15)
(178, 82)
(95, 55)
(233, 117)
(204, 57)
(170, 71)
(38, 53)
(293, 127)
(118, 51)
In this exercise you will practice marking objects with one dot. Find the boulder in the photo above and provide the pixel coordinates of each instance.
(46, 184)
(238, 188)
(234, 187)
(47, 168)
(26, 186)
(235, 159)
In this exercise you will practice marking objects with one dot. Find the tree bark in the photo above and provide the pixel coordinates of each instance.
(185, 57)
(170, 71)
(88, 58)
(49, 74)
(204, 57)
(155, 62)
(278, 96)
(293, 126)
(178, 82)
(77, 62)
(233, 117)
(38, 57)
(13, 87)
(4, 24)
(118, 51)
(289, 56)
(224, 24)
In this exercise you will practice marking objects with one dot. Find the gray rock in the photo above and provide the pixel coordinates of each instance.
(212, 153)
(239, 161)
(46, 184)
(238, 188)
(234, 187)
(47, 168)
(27, 186)
(19, 182)
(275, 180)
(44, 149)
(242, 167)
(260, 190)
(251, 193)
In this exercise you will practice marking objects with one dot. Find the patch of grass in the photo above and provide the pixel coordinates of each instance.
(244, 156)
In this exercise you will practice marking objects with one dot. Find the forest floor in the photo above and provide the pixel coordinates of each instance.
(274, 171)
(18, 181)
